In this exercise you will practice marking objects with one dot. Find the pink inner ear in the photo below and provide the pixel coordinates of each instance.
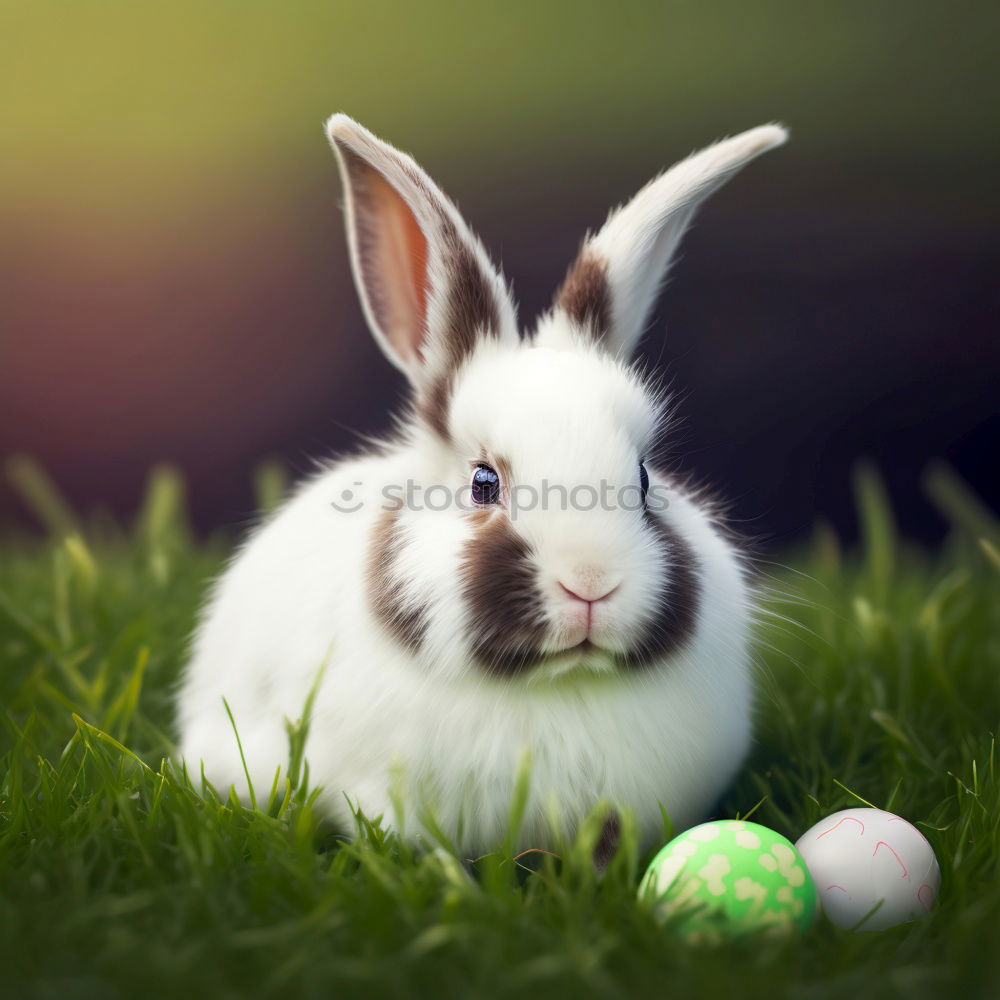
(394, 261)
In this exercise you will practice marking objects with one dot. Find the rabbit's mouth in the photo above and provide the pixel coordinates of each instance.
(584, 657)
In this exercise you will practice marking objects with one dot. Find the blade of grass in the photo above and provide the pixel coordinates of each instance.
(41, 495)
(957, 502)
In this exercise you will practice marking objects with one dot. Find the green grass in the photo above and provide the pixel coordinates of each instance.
(880, 679)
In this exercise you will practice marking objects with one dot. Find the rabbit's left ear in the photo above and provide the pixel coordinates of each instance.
(611, 288)
(427, 286)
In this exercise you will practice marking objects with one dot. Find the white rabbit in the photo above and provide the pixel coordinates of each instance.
(460, 623)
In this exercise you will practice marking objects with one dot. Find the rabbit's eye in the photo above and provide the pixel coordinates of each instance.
(485, 485)
(643, 481)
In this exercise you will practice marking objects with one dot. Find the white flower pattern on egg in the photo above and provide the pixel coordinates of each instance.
(714, 873)
(747, 888)
(705, 833)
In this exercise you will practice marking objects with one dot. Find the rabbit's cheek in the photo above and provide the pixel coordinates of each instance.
(673, 618)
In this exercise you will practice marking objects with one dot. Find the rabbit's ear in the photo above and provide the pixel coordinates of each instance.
(612, 286)
(426, 284)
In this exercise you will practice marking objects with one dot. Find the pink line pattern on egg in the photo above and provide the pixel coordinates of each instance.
(882, 843)
(926, 903)
(846, 819)
(841, 888)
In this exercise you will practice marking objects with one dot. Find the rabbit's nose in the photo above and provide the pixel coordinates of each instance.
(589, 584)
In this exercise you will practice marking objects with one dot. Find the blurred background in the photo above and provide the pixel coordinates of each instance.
(173, 274)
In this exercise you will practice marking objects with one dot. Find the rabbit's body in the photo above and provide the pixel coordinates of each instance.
(447, 637)
(672, 734)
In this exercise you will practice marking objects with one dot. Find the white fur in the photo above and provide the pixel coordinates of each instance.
(432, 730)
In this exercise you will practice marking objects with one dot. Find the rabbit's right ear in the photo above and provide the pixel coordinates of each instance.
(611, 288)
(427, 286)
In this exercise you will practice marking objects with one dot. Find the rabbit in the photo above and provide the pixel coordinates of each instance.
(455, 618)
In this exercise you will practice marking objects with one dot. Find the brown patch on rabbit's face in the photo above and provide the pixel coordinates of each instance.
(472, 313)
(585, 296)
(506, 611)
(405, 620)
(676, 617)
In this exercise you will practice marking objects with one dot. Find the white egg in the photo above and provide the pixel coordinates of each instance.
(863, 858)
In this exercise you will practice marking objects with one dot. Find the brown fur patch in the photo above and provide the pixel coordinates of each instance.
(506, 612)
(607, 844)
(472, 309)
(585, 296)
(503, 468)
(472, 312)
(433, 404)
(480, 516)
(406, 622)
(676, 617)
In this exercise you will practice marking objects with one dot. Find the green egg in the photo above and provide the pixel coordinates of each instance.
(731, 876)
